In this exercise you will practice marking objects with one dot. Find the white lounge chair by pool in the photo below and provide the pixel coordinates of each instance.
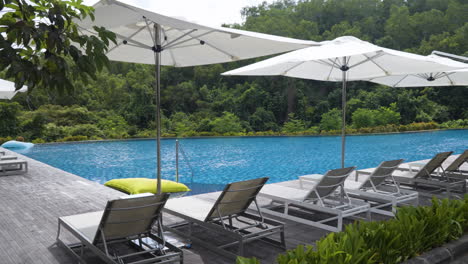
(429, 182)
(381, 189)
(13, 167)
(327, 197)
(125, 221)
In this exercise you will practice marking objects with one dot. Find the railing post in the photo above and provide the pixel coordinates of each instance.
(177, 160)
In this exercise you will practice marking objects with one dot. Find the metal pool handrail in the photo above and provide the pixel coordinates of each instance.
(187, 161)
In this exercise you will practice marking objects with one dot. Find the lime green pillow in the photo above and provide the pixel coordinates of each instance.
(145, 185)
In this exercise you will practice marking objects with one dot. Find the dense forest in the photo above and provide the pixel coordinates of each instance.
(198, 101)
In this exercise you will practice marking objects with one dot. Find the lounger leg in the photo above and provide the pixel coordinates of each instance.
(369, 215)
(283, 239)
(240, 250)
(340, 222)
(58, 231)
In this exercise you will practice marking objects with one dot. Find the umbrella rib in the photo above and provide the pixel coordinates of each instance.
(396, 84)
(448, 77)
(125, 38)
(333, 65)
(293, 67)
(369, 59)
(205, 43)
(141, 45)
(191, 38)
(178, 38)
(149, 30)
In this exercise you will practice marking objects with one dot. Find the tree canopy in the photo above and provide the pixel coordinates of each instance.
(40, 44)
(199, 101)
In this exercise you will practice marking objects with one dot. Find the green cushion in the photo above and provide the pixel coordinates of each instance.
(144, 185)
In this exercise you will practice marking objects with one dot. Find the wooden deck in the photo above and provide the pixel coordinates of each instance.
(31, 203)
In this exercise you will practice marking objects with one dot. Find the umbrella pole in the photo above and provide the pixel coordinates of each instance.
(343, 118)
(157, 63)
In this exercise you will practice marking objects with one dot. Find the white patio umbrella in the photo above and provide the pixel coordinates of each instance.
(345, 59)
(147, 37)
(8, 90)
(436, 78)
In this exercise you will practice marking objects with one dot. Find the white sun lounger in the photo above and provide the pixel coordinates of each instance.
(324, 198)
(428, 183)
(125, 221)
(381, 189)
(13, 167)
(8, 157)
(227, 217)
(455, 168)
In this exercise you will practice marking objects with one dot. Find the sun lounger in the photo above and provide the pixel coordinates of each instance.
(226, 219)
(327, 197)
(126, 221)
(427, 183)
(381, 189)
(8, 157)
(455, 170)
(13, 167)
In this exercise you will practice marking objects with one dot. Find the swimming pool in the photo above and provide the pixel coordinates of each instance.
(217, 161)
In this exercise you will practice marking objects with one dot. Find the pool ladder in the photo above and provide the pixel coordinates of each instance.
(180, 150)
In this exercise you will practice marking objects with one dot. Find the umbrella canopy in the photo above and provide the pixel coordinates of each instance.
(346, 59)
(147, 37)
(8, 90)
(183, 43)
(444, 78)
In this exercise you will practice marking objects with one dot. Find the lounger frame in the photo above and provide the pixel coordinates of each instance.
(428, 184)
(327, 197)
(454, 169)
(382, 190)
(13, 167)
(236, 224)
(100, 244)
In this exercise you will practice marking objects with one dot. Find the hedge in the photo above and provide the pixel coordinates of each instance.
(414, 230)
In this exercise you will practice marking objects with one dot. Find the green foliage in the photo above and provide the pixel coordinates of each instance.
(413, 231)
(293, 125)
(227, 123)
(55, 53)
(9, 123)
(120, 100)
(331, 120)
(363, 118)
(369, 118)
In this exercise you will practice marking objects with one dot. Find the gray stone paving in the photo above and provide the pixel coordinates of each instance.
(31, 203)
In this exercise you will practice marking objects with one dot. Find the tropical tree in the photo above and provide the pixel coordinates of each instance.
(40, 43)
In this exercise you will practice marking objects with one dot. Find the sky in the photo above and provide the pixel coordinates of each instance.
(206, 12)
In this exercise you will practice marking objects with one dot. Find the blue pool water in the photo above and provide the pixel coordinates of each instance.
(217, 161)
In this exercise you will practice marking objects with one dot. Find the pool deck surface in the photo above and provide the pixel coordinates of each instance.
(30, 205)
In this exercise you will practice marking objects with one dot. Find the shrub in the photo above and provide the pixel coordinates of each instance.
(331, 120)
(364, 118)
(5, 139)
(73, 138)
(386, 115)
(293, 125)
(227, 123)
(412, 231)
(38, 141)
(86, 130)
